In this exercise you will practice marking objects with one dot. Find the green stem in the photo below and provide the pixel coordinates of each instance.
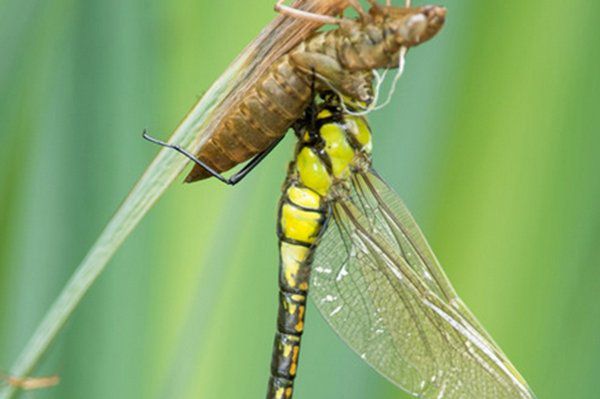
(276, 39)
(158, 176)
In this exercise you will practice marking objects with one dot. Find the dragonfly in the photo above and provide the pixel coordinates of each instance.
(348, 236)
(345, 233)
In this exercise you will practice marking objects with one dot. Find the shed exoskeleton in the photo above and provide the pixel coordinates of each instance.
(341, 59)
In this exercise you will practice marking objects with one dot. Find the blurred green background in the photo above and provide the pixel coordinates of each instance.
(492, 139)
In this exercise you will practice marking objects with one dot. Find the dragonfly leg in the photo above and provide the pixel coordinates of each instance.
(231, 181)
(253, 163)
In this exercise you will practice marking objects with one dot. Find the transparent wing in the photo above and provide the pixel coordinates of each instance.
(378, 284)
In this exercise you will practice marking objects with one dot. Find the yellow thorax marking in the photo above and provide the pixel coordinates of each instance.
(324, 114)
(357, 126)
(313, 173)
(337, 147)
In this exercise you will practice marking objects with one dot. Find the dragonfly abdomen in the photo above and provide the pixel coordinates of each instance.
(302, 215)
(323, 158)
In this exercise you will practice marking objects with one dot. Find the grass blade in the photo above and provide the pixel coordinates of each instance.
(157, 177)
(275, 39)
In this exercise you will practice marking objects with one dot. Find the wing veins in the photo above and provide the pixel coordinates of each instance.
(386, 211)
(344, 233)
(479, 341)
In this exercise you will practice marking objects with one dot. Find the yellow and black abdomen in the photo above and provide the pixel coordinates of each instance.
(302, 215)
(325, 156)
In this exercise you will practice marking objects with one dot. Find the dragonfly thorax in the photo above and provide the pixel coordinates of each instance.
(331, 149)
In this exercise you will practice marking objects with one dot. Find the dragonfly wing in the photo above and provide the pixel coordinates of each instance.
(378, 284)
(383, 202)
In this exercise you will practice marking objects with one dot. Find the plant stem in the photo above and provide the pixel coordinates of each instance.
(158, 176)
(274, 40)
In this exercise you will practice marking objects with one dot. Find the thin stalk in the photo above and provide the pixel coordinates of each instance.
(158, 176)
(277, 38)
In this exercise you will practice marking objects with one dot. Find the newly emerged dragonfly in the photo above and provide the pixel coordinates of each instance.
(374, 277)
